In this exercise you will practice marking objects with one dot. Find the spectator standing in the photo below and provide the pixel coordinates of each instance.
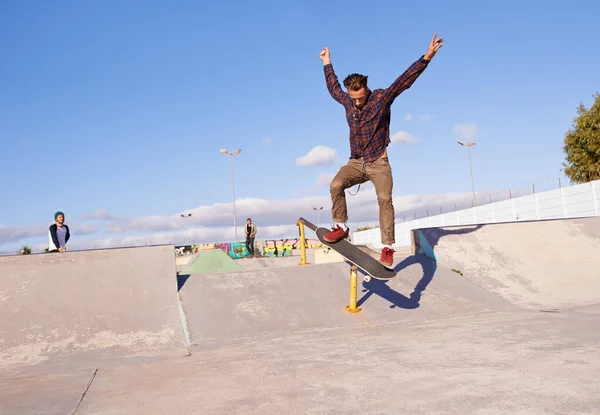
(250, 236)
(58, 234)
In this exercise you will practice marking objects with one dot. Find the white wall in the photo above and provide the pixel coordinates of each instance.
(579, 200)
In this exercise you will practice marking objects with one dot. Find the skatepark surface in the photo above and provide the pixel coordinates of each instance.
(481, 319)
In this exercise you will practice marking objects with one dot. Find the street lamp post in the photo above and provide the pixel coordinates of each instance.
(318, 210)
(231, 154)
(469, 145)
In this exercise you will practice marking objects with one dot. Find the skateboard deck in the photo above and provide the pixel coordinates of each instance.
(361, 259)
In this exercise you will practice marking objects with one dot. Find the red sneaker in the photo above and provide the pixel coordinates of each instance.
(387, 256)
(337, 234)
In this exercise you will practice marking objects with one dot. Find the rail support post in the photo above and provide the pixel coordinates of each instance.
(352, 308)
(302, 244)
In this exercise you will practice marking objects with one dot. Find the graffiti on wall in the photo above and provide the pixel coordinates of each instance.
(235, 250)
(266, 248)
(286, 247)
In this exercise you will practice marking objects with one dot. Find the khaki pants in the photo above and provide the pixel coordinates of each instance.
(380, 174)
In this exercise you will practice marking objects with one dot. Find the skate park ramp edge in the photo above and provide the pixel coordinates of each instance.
(75, 309)
(211, 261)
(548, 264)
(267, 303)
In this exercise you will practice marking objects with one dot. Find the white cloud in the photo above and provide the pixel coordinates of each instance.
(267, 141)
(466, 131)
(214, 223)
(86, 228)
(185, 237)
(404, 137)
(10, 234)
(324, 179)
(320, 155)
(101, 214)
(408, 117)
(267, 213)
(274, 218)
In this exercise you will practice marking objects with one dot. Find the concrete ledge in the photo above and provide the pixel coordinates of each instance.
(538, 264)
(75, 309)
(327, 255)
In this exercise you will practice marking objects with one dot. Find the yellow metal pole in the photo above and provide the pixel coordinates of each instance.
(352, 308)
(302, 244)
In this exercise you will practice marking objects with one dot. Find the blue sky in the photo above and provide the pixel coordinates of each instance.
(115, 112)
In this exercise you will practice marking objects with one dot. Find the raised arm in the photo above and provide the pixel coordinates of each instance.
(405, 81)
(333, 85)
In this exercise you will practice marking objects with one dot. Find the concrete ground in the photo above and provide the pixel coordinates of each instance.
(276, 339)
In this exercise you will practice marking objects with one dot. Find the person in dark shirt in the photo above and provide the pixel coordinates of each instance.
(58, 234)
(250, 235)
(368, 113)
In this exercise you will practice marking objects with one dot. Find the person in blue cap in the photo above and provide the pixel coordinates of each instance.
(58, 234)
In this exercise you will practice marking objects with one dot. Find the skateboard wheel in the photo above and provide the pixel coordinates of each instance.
(367, 278)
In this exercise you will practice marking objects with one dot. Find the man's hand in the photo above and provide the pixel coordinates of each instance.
(434, 46)
(324, 55)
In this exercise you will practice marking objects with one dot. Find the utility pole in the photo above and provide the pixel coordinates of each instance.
(469, 145)
(318, 210)
(231, 154)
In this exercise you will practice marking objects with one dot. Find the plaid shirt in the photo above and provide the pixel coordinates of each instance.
(370, 128)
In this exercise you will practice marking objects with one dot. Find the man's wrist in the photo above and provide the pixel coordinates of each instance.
(325, 63)
(426, 58)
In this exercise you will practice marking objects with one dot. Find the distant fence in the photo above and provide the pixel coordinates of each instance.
(581, 200)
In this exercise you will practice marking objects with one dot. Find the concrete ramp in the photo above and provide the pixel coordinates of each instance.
(210, 261)
(75, 309)
(542, 265)
(278, 340)
(265, 303)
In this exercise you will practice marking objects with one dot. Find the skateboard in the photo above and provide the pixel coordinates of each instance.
(352, 253)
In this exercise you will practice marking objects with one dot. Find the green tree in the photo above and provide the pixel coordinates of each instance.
(25, 250)
(582, 144)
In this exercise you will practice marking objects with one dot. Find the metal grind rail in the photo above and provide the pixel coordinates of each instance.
(351, 307)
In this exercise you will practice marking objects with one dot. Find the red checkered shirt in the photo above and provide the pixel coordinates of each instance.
(370, 128)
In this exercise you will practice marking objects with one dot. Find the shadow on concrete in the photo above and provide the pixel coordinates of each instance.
(432, 236)
(429, 266)
(181, 280)
(383, 290)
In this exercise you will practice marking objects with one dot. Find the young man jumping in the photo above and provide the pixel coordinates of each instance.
(368, 115)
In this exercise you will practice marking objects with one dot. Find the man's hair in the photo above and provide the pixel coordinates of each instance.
(355, 82)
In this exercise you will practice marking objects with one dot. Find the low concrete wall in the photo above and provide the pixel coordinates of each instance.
(76, 308)
(552, 263)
